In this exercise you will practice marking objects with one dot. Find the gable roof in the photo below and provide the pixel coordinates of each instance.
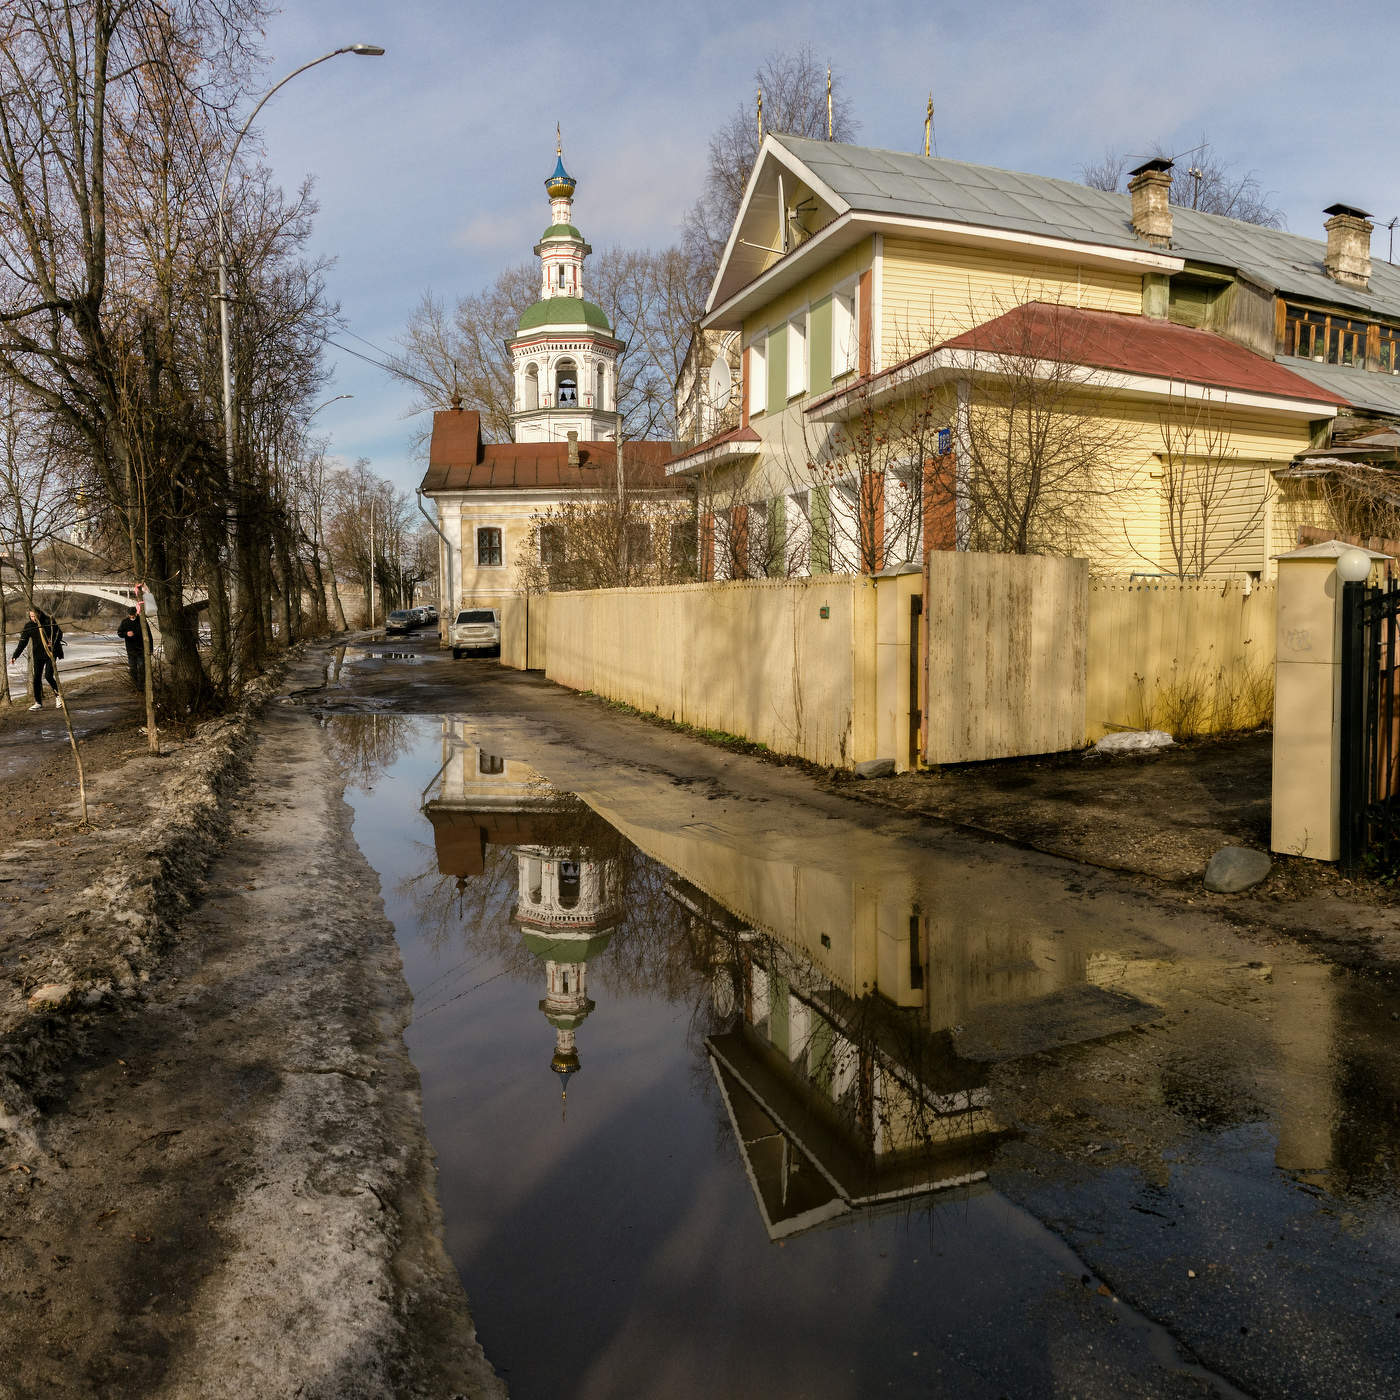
(865, 180)
(458, 460)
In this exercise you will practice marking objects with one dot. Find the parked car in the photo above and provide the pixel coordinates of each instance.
(432, 613)
(401, 620)
(476, 629)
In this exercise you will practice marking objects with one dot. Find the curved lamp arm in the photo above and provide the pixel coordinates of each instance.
(366, 50)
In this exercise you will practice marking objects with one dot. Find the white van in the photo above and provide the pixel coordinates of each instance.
(476, 629)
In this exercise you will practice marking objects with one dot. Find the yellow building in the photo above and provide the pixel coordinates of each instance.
(491, 497)
(938, 355)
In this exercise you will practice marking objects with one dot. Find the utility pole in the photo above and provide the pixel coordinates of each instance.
(371, 561)
(621, 512)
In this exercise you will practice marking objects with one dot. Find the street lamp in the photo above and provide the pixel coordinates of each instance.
(327, 404)
(365, 50)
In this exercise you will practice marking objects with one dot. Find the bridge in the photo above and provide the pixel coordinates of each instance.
(109, 589)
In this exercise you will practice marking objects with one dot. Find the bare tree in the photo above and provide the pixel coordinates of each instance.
(1212, 503)
(650, 296)
(1039, 454)
(1201, 179)
(624, 534)
(793, 84)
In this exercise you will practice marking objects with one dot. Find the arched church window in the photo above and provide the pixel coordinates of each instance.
(570, 879)
(561, 274)
(600, 392)
(566, 384)
(532, 386)
(534, 882)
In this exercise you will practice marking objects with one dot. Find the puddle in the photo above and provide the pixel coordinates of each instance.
(724, 1116)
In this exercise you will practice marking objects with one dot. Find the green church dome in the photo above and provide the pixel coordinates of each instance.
(561, 231)
(565, 311)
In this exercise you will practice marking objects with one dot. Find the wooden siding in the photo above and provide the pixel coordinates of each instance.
(933, 291)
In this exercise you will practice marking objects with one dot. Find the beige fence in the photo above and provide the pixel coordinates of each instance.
(772, 660)
(1190, 658)
(1006, 655)
(1024, 656)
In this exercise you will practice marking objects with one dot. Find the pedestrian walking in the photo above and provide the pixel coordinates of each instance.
(129, 629)
(46, 637)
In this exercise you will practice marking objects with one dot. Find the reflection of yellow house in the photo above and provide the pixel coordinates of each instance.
(863, 282)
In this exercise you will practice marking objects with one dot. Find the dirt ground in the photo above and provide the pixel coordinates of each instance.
(227, 1189)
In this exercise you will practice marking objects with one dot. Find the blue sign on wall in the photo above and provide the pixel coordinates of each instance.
(945, 441)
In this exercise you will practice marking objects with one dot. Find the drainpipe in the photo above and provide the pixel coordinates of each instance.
(447, 546)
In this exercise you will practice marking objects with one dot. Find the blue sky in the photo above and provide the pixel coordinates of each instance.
(430, 161)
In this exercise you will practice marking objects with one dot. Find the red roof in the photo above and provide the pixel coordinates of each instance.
(1112, 340)
(458, 460)
(739, 434)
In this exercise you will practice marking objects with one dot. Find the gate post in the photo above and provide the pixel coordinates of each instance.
(1307, 759)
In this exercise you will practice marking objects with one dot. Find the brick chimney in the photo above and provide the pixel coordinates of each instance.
(1348, 246)
(573, 447)
(1151, 188)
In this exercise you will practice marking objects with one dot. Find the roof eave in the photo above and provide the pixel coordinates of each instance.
(857, 224)
(944, 365)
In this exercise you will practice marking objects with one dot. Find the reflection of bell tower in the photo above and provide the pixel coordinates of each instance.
(568, 906)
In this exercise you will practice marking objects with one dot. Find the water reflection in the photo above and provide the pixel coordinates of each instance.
(842, 1020)
(363, 745)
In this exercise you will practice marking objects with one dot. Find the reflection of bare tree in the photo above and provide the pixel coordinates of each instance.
(363, 745)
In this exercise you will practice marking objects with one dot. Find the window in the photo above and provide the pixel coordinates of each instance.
(488, 547)
(638, 543)
(532, 387)
(1340, 340)
(561, 274)
(551, 544)
(490, 763)
(797, 356)
(683, 548)
(843, 332)
(758, 373)
(600, 388)
(566, 385)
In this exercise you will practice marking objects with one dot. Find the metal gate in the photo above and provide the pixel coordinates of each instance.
(1370, 720)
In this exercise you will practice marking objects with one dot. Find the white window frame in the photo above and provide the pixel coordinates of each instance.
(797, 355)
(758, 373)
(844, 350)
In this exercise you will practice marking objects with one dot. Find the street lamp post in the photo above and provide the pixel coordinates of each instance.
(366, 50)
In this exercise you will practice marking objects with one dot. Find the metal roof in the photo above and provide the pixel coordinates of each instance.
(1366, 389)
(934, 187)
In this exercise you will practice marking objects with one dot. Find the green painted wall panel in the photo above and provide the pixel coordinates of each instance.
(820, 553)
(819, 346)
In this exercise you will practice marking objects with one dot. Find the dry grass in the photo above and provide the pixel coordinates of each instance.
(1225, 700)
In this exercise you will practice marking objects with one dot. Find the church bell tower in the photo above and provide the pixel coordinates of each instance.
(564, 354)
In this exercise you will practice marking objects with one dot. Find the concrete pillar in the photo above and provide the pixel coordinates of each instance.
(1307, 702)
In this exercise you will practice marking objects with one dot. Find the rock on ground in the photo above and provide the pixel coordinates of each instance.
(1235, 868)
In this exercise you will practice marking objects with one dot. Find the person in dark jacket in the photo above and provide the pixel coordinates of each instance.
(129, 630)
(47, 638)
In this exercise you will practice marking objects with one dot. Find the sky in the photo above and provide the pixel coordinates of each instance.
(430, 162)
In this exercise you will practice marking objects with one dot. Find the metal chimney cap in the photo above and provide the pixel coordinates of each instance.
(1346, 209)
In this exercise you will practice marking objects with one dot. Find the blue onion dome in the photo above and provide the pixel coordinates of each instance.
(561, 184)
